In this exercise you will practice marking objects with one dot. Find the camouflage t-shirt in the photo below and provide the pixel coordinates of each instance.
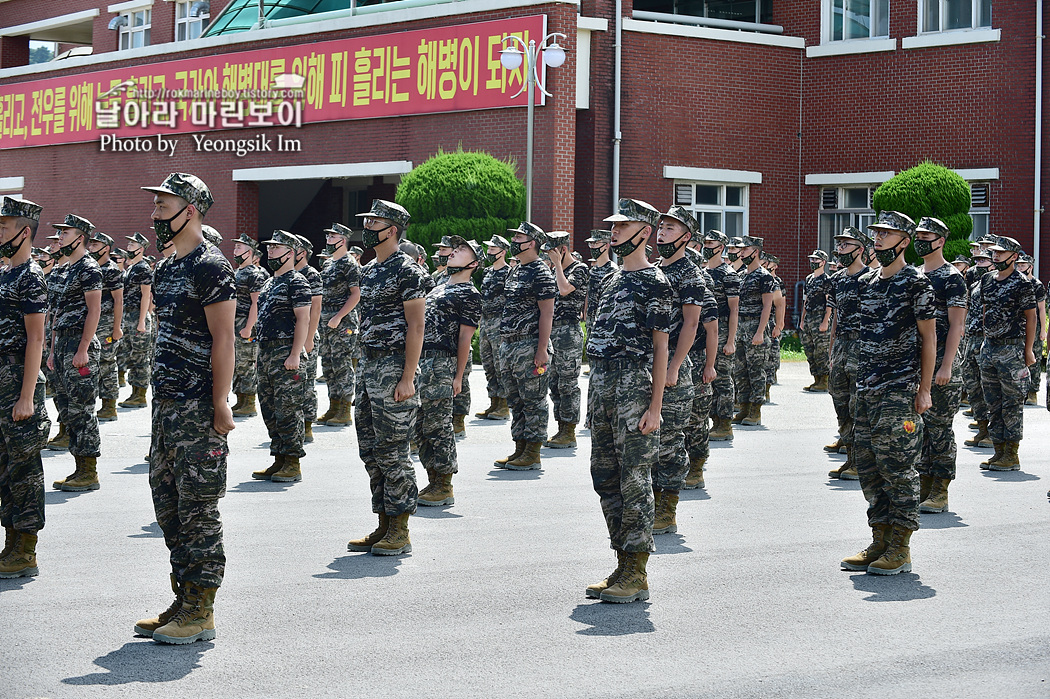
(182, 288)
(313, 278)
(448, 307)
(975, 310)
(70, 307)
(526, 286)
(492, 287)
(569, 308)
(815, 294)
(752, 287)
(1004, 305)
(725, 285)
(688, 288)
(1040, 290)
(631, 305)
(22, 292)
(890, 346)
(339, 277)
(249, 280)
(137, 276)
(595, 276)
(844, 296)
(278, 300)
(949, 291)
(385, 287)
(112, 280)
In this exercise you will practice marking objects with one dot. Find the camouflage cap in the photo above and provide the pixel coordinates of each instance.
(961, 258)
(138, 238)
(751, 241)
(683, 216)
(819, 255)
(854, 234)
(20, 208)
(895, 221)
(382, 208)
(771, 258)
(987, 239)
(188, 187)
(695, 256)
(1026, 259)
(323, 254)
(100, 237)
(736, 242)
(498, 241)
(932, 225)
(211, 235)
(635, 210)
(280, 237)
(150, 258)
(339, 229)
(55, 236)
(355, 250)
(974, 244)
(1004, 244)
(41, 252)
(556, 239)
(305, 243)
(246, 239)
(599, 235)
(74, 221)
(981, 254)
(717, 236)
(531, 230)
(119, 252)
(456, 241)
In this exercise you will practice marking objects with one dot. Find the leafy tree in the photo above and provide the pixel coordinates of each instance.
(929, 189)
(470, 194)
(40, 54)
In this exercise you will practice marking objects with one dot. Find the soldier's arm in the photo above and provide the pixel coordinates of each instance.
(763, 320)
(93, 300)
(351, 304)
(734, 307)
(651, 419)
(253, 313)
(827, 317)
(314, 320)
(24, 407)
(118, 313)
(956, 325)
(711, 327)
(303, 325)
(147, 298)
(928, 356)
(463, 349)
(220, 317)
(546, 321)
(565, 287)
(1041, 307)
(780, 308)
(686, 337)
(415, 317)
(1029, 336)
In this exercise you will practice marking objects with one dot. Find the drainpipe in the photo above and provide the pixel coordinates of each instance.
(1038, 209)
(617, 136)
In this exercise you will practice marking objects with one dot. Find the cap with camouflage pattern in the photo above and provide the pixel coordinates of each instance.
(635, 210)
(599, 235)
(100, 237)
(683, 216)
(55, 236)
(531, 230)
(456, 241)
(446, 242)
(339, 229)
(211, 235)
(382, 208)
(819, 255)
(751, 241)
(961, 258)
(119, 253)
(20, 208)
(556, 239)
(771, 258)
(736, 242)
(982, 254)
(987, 239)
(305, 244)
(717, 236)
(355, 250)
(187, 187)
(498, 241)
(138, 238)
(894, 221)
(74, 221)
(932, 225)
(854, 234)
(1004, 244)
(1028, 259)
(280, 237)
(246, 239)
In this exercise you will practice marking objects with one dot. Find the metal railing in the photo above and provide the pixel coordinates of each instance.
(708, 22)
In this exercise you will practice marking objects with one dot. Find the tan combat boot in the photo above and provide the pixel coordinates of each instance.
(146, 627)
(937, 499)
(60, 442)
(849, 473)
(20, 561)
(566, 437)
(396, 540)
(768, 386)
(457, 424)
(876, 548)
(365, 544)
(745, 410)
(502, 412)
(820, 385)
(195, 621)
(1033, 398)
(247, 408)
(289, 472)
(722, 431)
(665, 514)
(695, 478)
(265, 474)
(754, 415)
(308, 431)
(846, 465)
(493, 405)
(333, 410)
(137, 399)
(10, 537)
(595, 591)
(925, 483)
(440, 493)
(834, 447)
(1009, 460)
(994, 458)
(239, 403)
(633, 583)
(519, 447)
(108, 411)
(982, 434)
(343, 416)
(121, 379)
(87, 478)
(897, 556)
(528, 460)
(432, 479)
(57, 485)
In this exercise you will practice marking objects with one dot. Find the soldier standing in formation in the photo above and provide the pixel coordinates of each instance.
(725, 285)
(1024, 266)
(250, 279)
(815, 321)
(971, 369)
(776, 320)
(566, 338)
(339, 325)
(138, 297)
(313, 279)
(752, 345)
(492, 297)
(110, 323)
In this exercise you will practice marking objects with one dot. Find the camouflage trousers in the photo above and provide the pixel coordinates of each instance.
(842, 384)
(696, 436)
(308, 367)
(383, 430)
(566, 362)
(672, 464)
(724, 385)
(774, 358)
(938, 444)
(461, 403)
(621, 456)
(815, 344)
(21, 469)
(281, 398)
(1005, 380)
(137, 347)
(526, 392)
(437, 442)
(488, 343)
(78, 395)
(107, 361)
(1036, 370)
(337, 350)
(187, 475)
(971, 376)
(752, 361)
(245, 357)
(887, 448)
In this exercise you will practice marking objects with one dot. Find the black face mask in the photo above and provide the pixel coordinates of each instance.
(597, 252)
(370, 238)
(516, 248)
(442, 260)
(332, 248)
(239, 259)
(276, 263)
(96, 256)
(708, 253)
(923, 247)
(162, 227)
(887, 256)
(489, 258)
(814, 266)
(846, 258)
(9, 249)
(732, 256)
(749, 259)
(68, 250)
(628, 246)
(457, 270)
(668, 250)
(1001, 266)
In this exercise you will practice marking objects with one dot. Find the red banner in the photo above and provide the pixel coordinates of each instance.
(445, 69)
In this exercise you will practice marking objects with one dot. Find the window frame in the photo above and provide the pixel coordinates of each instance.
(942, 6)
(698, 210)
(204, 20)
(858, 217)
(984, 212)
(129, 30)
(827, 12)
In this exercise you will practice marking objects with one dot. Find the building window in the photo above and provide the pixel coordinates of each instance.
(946, 15)
(859, 19)
(715, 205)
(756, 11)
(186, 25)
(841, 207)
(980, 208)
(135, 34)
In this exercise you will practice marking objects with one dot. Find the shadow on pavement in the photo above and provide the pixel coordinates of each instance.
(14, 584)
(670, 543)
(362, 565)
(141, 467)
(694, 495)
(150, 531)
(903, 587)
(549, 453)
(441, 512)
(145, 661)
(941, 520)
(610, 619)
(254, 486)
(843, 484)
(57, 497)
(723, 444)
(1010, 476)
(504, 474)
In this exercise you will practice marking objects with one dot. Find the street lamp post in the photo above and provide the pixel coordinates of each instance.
(512, 57)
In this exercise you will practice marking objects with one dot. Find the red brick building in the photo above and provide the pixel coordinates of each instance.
(769, 117)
